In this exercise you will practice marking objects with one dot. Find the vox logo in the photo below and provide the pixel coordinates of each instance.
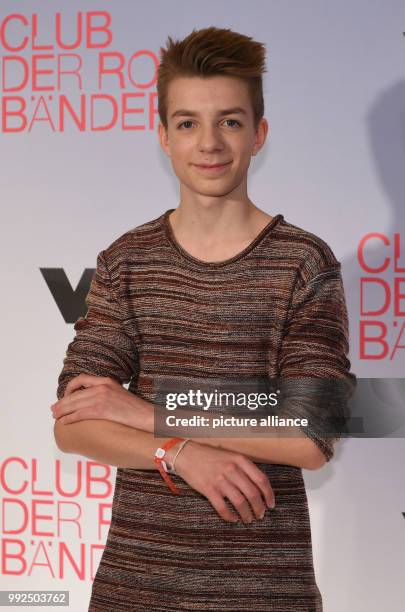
(71, 302)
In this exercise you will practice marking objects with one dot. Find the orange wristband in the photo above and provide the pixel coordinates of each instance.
(158, 458)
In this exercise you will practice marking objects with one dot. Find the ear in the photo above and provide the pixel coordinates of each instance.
(260, 135)
(164, 139)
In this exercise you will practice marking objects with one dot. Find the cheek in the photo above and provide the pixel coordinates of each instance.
(181, 143)
(246, 156)
(181, 155)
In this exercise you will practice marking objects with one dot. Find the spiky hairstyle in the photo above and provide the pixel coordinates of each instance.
(213, 51)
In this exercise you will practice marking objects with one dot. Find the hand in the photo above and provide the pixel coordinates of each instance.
(101, 397)
(219, 473)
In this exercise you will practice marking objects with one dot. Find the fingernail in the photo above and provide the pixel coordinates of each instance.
(262, 515)
(272, 504)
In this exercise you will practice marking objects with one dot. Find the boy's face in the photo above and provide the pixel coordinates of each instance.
(199, 134)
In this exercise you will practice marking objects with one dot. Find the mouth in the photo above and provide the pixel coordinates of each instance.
(212, 167)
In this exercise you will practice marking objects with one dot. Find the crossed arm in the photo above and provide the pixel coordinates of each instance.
(106, 422)
(112, 425)
(87, 422)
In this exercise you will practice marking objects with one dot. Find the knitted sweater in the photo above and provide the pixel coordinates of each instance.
(156, 313)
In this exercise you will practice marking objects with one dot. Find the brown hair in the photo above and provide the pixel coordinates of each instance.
(213, 51)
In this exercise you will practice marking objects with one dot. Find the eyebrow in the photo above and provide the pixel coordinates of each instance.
(182, 112)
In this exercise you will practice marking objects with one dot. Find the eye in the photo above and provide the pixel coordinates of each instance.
(183, 123)
(234, 121)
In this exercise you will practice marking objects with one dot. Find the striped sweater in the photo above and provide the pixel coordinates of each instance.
(156, 314)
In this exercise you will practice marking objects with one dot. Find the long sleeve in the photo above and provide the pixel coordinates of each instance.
(102, 345)
(313, 367)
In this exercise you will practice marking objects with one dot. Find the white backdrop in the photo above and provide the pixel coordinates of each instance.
(333, 164)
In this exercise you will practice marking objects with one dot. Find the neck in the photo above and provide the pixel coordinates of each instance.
(219, 230)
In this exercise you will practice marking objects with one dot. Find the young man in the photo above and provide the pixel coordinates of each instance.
(215, 289)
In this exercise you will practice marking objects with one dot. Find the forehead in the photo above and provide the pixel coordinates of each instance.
(207, 94)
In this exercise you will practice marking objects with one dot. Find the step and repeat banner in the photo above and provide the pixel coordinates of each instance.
(81, 165)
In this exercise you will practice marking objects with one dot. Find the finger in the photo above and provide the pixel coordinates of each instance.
(237, 499)
(68, 404)
(85, 380)
(218, 503)
(78, 415)
(259, 478)
(81, 399)
(248, 490)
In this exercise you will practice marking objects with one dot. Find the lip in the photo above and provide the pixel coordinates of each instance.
(212, 168)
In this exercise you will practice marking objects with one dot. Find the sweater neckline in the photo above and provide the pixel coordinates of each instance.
(216, 264)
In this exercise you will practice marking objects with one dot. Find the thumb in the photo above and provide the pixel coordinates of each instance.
(82, 381)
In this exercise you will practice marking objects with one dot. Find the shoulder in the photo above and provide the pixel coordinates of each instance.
(125, 252)
(135, 241)
(308, 253)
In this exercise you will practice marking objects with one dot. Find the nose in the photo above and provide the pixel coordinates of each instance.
(210, 139)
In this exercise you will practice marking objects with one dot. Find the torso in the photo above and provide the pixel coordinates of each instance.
(193, 320)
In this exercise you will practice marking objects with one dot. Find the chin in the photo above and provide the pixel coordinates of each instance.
(212, 192)
(214, 188)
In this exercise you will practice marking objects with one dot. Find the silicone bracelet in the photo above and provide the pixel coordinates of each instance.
(158, 458)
